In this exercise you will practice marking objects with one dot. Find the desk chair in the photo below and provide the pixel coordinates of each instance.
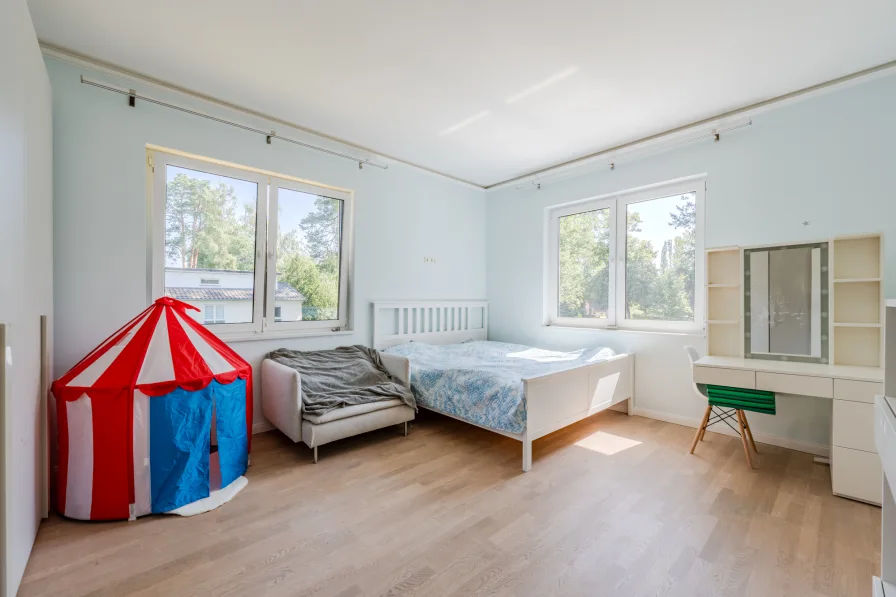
(711, 416)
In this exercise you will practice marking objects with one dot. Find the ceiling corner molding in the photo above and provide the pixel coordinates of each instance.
(110, 69)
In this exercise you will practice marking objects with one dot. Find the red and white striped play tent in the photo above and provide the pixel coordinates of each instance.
(135, 419)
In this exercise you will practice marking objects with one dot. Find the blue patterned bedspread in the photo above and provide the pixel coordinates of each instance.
(482, 382)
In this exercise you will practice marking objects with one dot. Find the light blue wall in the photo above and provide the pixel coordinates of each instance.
(401, 215)
(828, 160)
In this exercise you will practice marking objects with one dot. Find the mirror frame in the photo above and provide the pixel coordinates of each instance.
(825, 302)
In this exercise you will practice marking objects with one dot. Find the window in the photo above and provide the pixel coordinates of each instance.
(307, 231)
(274, 251)
(213, 314)
(630, 260)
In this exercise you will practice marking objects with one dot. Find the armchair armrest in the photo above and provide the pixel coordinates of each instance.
(281, 398)
(398, 367)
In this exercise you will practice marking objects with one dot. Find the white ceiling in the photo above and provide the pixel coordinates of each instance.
(482, 90)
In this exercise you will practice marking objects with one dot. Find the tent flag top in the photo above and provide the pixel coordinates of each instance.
(138, 415)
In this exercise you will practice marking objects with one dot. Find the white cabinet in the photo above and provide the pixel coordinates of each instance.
(856, 474)
(854, 425)
(855, 465)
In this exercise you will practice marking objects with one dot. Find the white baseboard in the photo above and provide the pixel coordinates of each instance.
(761, 438)
(261, 427)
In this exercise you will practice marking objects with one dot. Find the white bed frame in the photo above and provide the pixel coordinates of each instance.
(553, 401)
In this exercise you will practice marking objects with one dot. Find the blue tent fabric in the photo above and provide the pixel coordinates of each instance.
(230, 421)
(179, 435)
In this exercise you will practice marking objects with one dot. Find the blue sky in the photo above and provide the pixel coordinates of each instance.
(655, 220)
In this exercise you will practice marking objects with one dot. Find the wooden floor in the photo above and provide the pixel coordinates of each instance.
(613, 506)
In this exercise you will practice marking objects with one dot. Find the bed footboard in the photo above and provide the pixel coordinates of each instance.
(557, 400)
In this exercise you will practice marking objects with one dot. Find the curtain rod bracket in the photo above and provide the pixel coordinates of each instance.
(132, 98)
(271, 136)
(716, 136)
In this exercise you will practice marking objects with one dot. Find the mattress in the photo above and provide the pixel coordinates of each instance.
(482, 382)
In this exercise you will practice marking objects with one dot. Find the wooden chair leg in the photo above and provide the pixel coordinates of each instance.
(703, 431)
(700, 429)
(749, 431)
(743, 437)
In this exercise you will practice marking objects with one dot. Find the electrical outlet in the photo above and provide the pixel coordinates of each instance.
(429, 260)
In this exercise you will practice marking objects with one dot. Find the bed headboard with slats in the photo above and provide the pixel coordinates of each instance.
(433, 322)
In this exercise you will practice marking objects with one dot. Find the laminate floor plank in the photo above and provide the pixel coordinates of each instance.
(614, 505)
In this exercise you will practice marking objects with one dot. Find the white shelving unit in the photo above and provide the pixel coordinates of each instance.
(724, 302)
(855, 325)
(857, 303)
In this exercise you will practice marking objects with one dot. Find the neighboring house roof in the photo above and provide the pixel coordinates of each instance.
(285, 292)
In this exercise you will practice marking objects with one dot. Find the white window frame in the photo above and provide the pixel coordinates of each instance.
(553, 267)
(618, 204)
(345, 253)
(158, 160)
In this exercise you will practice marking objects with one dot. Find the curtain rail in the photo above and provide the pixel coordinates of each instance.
(269, 135)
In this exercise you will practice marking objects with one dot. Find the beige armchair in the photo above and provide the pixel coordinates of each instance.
(281, 403)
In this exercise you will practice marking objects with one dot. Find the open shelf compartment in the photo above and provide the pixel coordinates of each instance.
(857, 258)
(723, 267)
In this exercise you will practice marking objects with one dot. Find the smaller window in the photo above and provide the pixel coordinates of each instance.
(278, 313)
(210, 282)
(214, 314)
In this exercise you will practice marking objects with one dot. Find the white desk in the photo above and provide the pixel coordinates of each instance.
(855, 465)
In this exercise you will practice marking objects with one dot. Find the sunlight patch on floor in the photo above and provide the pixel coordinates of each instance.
(607, 443)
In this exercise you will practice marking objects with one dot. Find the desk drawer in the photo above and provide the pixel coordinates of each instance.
(717, 376)
(857, 391)
(854, 425)
(803, 385)
(856, 474)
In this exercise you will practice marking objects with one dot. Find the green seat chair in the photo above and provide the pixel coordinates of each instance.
(725, 404)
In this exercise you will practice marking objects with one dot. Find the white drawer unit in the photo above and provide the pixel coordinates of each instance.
(719, 376)
(857, 391)
(856, 474)
(854, 425)
(802, 385)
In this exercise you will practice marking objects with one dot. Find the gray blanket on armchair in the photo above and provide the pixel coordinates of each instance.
(344, 376)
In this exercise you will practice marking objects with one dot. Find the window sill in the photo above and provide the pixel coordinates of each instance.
(694, 333)
(283, 335)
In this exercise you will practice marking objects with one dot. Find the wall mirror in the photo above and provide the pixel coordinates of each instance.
(786, 303)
